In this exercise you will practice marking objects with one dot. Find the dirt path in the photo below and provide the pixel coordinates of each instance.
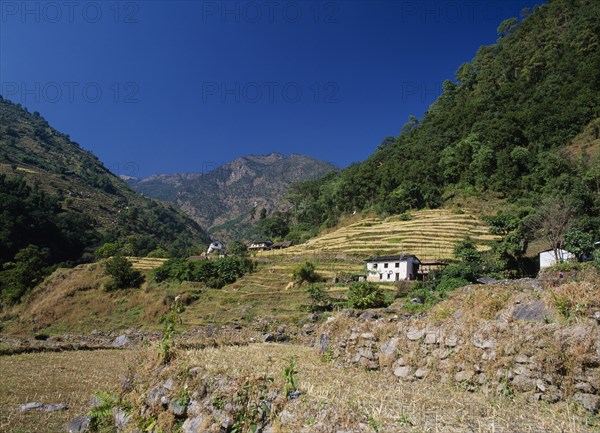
(65, 377)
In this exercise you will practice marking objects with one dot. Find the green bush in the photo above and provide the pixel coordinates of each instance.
(319, 298)
(215, 273)
(363, 294)
(305, 272)
(122, 273)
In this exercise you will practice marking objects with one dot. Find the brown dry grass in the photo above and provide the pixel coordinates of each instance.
(68, 377)
(343, 398)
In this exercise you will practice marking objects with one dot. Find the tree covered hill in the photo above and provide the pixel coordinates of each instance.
(59, 203)
(228, 199)
(521, 121)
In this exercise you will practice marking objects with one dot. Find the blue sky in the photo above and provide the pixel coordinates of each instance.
(175, 86)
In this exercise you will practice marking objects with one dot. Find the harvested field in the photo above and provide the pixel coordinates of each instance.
(66, 377)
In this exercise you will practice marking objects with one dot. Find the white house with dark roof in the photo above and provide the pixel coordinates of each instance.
(393, 268)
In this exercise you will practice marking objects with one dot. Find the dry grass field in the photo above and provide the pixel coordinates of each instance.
(429, 234)
(67, 377)
(342, 398)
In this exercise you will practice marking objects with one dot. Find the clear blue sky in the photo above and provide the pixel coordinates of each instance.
(175, 86)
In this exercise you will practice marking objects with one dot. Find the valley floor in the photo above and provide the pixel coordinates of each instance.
(333, 398)
(63, 377)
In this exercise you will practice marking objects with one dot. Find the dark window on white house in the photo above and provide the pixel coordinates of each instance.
(385, 265)
(397, 264)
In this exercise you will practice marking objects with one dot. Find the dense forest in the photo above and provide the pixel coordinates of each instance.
(519, 123)
(59, 205)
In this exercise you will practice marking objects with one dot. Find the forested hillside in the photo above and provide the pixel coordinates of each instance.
(58, 203)
(519, 123)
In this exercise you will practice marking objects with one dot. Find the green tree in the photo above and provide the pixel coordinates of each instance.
(579, 243)
(122, 273)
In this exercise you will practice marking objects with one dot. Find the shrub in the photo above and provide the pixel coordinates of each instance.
(122, 273)
(305, 272)
(319, 298)
(363, 294)
(215, 273)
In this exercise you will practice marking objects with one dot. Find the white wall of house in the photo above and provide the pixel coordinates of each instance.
(390, 271)
(547, 258)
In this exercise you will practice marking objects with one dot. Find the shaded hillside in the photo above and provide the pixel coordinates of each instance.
(499, 129)
(227, 199)
(58, 202)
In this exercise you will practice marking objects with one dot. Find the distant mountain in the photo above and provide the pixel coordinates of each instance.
(47, 160)
(229, 198)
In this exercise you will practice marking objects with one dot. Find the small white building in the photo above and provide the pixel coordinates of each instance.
(393, 268)
(548, 258)
(260, 245)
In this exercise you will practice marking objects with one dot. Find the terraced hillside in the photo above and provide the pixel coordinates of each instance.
(266, 292)
(429, 234)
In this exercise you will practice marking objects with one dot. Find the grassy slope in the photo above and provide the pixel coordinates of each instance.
(74, 299)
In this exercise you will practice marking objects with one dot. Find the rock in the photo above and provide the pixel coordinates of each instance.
(535, 310)
(78, 425)
(584, 387)
(464, 376)
(329, 319)
(169, 384)
(483, 344)
(521, 359)
(120, 341)
(195, 370)
(431, 338)
(421, 373)
(165, 400)
(31, 406)
(294, 395)
(177, 408)
(403, 372)
(414, 334)
(155, 395)
(367, 336)
(523, 383)
(589, 401)
(268, 337)
(121, 418)
(367, 315)
(324, 342)
(390, 347)
(451, 341)
(53, 407)
(192, 425)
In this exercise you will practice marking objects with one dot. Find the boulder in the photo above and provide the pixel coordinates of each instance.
(192, 425)
(324, 342)
(403, 372)
(464, 376)
(589, 401)
(78, 425)
(120, 341)
(34, 405)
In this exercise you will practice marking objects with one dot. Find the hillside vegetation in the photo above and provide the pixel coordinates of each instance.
(518, 122)
(58, 203)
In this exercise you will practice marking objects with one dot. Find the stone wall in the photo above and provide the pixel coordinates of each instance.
(549, 361)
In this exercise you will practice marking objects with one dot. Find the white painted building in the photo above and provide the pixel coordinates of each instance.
(393, 268)
(548, 258)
